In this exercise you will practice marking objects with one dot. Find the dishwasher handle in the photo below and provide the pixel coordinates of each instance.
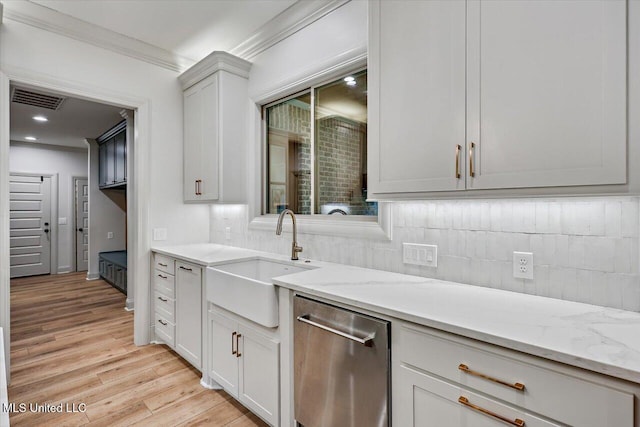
(367, 341)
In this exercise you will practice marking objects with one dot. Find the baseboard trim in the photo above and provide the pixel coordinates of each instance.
(210, 384)
(93, 276)
(129, 305)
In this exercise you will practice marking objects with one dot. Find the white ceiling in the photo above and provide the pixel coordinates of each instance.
(189, 28)
(74, 121)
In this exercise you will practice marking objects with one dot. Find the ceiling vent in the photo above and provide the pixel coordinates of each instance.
(50, 102)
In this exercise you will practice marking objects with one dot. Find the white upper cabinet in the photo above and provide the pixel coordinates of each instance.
(416, 96)
(546, 92)
(500, 93)
(215, 129)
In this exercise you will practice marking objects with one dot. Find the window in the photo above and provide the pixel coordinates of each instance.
(317, 150)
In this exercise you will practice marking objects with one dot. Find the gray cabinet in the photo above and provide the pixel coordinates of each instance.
(113, 269)
(113, 157)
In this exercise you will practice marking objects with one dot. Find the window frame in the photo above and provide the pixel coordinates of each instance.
(356, 226)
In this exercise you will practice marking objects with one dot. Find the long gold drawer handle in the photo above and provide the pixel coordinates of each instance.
(162, 265)
(472, 171)
(233, 339)
(161, 276)
(458, 148)
(517, 422)
(465, 368)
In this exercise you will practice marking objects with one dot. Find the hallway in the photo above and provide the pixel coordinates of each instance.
(72, 343)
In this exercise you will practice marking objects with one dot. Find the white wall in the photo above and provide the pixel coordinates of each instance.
(29, 51)
(585, 249)
(37, 57)
(66, 163)
(107, 213)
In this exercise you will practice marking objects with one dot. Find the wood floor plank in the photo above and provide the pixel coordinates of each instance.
(72, 341)
(219, 415)
(125, 416)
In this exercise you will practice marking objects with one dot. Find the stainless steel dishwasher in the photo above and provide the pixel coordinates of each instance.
(341, 367)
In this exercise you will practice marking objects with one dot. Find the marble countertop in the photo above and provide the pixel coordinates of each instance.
(600, 339)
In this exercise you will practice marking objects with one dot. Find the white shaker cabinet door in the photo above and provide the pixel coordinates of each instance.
(188, 313)
(201, 141)
(223, 359)
(417, 97)
(546, 93)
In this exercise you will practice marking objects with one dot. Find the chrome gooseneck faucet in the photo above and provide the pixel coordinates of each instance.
(294, 245)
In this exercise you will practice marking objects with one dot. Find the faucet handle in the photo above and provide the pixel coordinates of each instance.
(295, 249)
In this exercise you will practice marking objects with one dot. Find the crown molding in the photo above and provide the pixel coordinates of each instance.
(291, 20)
(48, 19)
(215, 61)
(288, 22)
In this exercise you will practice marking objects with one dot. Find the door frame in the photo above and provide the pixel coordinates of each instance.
(139, 191)
(74, 178)
(53, 215)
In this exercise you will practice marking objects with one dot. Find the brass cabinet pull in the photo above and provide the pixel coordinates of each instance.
(517, 422)
(198, 187)
(233, 351)
(163, 299)
(162, 322)
(185, 268)
(458, 148)
(472, 171)
(238, 345)
(161, 276)
(464, 368)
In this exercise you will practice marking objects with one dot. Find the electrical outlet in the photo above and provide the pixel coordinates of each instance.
(110, 235)
(159, 234)
(523, 265)
(227, 233)
(413, 253)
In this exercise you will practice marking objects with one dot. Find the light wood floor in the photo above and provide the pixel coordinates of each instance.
(72, 342)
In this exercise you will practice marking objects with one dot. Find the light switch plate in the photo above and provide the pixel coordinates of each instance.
(419, 254)
(159, 234)
(62, 220)
(523, 265)
(109, 234)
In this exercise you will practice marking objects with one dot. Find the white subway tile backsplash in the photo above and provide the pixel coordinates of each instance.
(585, 249)
(629, 219)
(576, 251)
(613, 218)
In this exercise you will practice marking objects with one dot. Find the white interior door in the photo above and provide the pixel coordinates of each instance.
(82, 224)
(30, 225)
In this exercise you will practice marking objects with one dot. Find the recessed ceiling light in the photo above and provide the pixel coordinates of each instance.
(349, 79)
(40, 119)
(351, 83)
(30, 138)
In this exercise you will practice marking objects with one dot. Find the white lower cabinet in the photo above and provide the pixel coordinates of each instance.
(426, 401)
(188, 312)
(443, 379)
(177, 312)
(245, 361)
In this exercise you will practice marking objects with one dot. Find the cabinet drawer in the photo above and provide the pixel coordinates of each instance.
(165, 306)
(426, 401)
(568, 399)
(164, 263)
(165, 330)
(164, 283)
